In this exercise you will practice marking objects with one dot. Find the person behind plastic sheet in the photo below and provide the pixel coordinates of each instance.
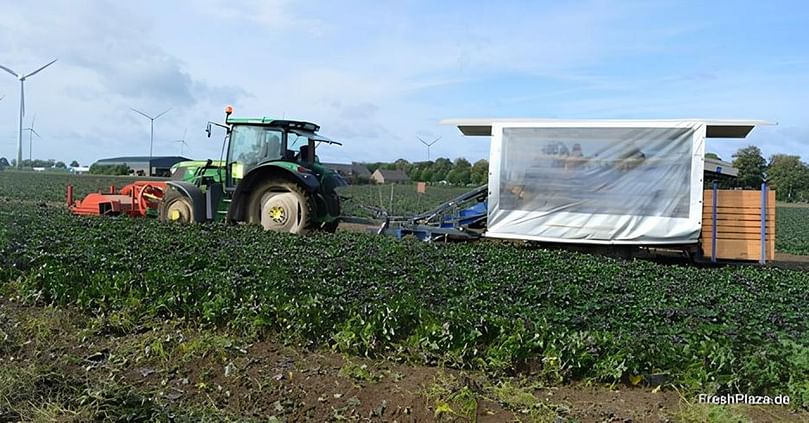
(576, 158)
(631, 159)
(562, 154)
(267, 149)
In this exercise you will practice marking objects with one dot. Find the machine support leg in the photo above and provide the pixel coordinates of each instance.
(713, 217)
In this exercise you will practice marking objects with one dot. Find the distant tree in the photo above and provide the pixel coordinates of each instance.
(789, 177)
(4, 162)
(97, 169)
(60, 165)
(74, 163)
(480, 172)
(459, 176)
(38, 163)
(440, 169)
(713, 156)
(461, 163)
(401, 164)
(751, 165)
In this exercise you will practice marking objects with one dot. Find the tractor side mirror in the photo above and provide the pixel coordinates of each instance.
(208, 129)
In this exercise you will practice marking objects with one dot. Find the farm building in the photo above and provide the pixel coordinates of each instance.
(386, 176)
(160, 165)
(353, 171)
(716, 167)
(78, 170)
(631, 182)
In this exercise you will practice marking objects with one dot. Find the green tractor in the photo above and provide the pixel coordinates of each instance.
(271, 177)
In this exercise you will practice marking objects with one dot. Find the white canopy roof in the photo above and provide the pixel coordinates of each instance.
(715, 128)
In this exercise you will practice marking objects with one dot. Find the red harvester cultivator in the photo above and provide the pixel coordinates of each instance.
(133, 200)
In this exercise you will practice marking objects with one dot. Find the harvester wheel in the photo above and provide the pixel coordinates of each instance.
(281, 206)
(175, 207)
(330, 227)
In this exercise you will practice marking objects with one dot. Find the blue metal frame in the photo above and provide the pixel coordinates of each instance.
(713, 217)
(458, 219)
(763, 258)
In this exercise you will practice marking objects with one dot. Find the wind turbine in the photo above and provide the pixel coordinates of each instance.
(31, 133)
(182, 141)
(151, 133)
(428, 144)
(22, 78)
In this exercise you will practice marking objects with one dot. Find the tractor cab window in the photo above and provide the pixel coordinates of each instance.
(250, 146)
(299, 145)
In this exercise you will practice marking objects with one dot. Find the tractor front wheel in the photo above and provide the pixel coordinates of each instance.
(281, 206)
(175, 207)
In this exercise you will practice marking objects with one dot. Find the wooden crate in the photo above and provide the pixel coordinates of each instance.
(738, 225)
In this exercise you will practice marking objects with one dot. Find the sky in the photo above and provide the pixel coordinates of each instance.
(378, 75)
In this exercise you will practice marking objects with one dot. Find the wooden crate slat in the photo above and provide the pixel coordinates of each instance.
(742, 198)
(734, 249)
(738, 224)
(734, 223)
(707, 217)
(740, 210)
(732, 232)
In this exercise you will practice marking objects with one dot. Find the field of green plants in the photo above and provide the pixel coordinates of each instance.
(499, 307)
(50, 187)
(403, 201)
(792, 230)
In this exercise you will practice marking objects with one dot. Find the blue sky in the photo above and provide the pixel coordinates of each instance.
(378, 74)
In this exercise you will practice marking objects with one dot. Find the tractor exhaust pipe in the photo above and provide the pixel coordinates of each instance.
(69, 195)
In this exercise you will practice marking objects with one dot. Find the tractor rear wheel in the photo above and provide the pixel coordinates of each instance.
(281, 206)
(175, 207)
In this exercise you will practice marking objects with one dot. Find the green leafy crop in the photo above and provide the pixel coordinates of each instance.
(498, 306)
(792, 230)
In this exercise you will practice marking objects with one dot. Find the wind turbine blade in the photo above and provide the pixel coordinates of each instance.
(184, 132)
(1, 98)
(33, 120)
(40, 69)
(156, 117)
(35, 132)
(9, 71)
(141, 113)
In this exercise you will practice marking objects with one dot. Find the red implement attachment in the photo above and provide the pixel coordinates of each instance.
(134, 200)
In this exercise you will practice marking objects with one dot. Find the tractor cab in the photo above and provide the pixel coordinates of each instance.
(270, 176)
(257, 142)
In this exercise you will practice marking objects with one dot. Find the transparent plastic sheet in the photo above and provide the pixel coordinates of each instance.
(631, 185)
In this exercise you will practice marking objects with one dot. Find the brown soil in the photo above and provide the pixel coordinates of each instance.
(185, 367)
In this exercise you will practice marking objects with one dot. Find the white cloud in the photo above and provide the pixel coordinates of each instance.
(374, 74)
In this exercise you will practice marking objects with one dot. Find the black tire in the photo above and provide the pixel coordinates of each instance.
(281, 205)
(175, 207)
(330, 227)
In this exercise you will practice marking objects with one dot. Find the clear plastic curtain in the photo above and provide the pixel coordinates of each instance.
(601, 185)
